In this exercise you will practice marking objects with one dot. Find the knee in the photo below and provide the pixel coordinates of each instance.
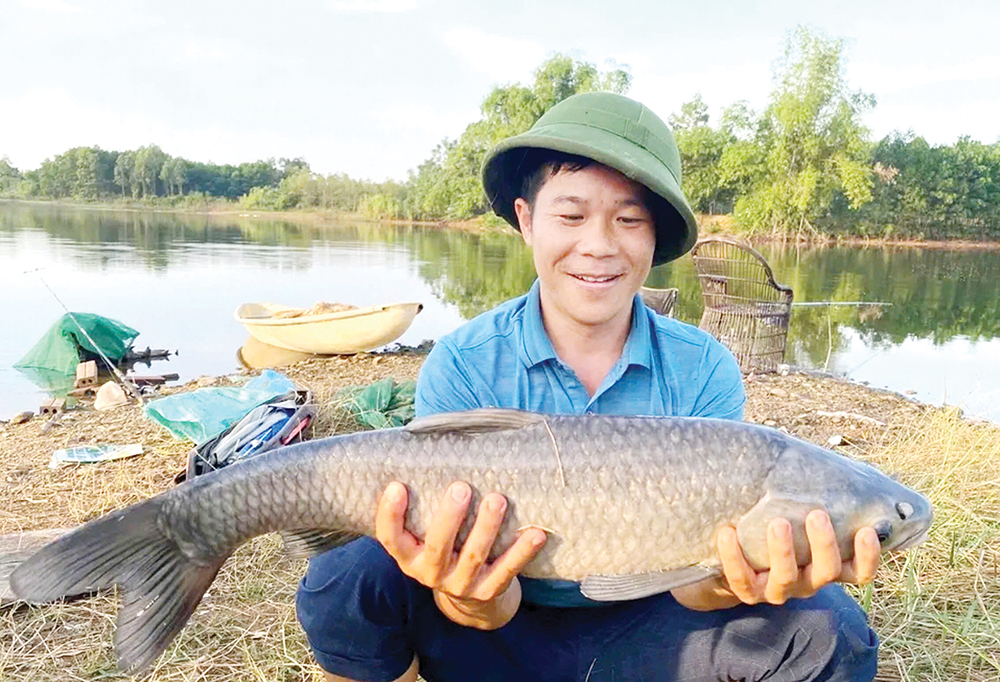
(830, 636)
(358, 579)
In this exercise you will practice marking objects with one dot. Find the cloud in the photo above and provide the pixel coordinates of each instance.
(373, 6)
(497, 56)
(50, 6)
(891, 77)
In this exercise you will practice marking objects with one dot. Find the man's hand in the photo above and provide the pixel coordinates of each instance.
(784, 580)
(467, 589)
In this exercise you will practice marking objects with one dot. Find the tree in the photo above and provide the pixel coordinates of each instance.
(148, 164)
(448, 184)
(173, 174)
(125, 173)
(10, 177)
(694, 114)
(814, 145)
(701, 149)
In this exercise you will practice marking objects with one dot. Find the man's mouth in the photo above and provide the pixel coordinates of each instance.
(596, 279)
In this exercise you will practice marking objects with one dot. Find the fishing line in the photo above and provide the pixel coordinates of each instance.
(126, 384)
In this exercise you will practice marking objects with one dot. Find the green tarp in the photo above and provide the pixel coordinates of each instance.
(58, 352)
(381, 405)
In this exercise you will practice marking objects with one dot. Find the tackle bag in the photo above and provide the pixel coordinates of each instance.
(274, 424)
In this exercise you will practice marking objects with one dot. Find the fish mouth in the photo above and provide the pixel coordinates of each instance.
(913, 539)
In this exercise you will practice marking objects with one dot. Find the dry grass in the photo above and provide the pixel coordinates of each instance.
(936, 608)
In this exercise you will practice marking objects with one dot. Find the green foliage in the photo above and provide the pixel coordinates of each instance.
(813, 144)
(803, 163)
(266, 198)
(702, 148)
(174, 174)
(380, 207)
(923, 191)
(448, 185)
(789, 167)
(10, 178)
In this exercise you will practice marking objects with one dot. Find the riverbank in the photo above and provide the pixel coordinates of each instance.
(246, 625)
(708, 224)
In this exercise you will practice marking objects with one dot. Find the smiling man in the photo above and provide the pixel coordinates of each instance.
(594, 189)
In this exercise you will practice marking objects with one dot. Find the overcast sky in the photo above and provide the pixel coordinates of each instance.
(369, 87)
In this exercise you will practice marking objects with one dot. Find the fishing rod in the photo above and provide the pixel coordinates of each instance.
(832, 303)
(119, 377)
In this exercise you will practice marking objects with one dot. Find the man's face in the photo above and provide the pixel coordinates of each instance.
(592, 239)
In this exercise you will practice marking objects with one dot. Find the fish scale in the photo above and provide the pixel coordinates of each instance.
(631, 506)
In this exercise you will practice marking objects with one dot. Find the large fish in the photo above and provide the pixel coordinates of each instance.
(631, 505)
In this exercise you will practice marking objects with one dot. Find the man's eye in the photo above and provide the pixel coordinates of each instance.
(627, 220)
(571, 217)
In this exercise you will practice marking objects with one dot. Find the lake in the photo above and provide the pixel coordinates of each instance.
(179, 278)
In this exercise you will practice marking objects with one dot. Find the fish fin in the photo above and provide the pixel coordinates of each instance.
(303, 543)
(161, 586)
(482, 420)
(639, 585)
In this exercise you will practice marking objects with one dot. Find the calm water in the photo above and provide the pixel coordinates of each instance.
(178, 280)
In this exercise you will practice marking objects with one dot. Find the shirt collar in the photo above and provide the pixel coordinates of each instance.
(537, 347)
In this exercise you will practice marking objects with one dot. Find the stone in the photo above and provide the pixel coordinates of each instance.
(22, 417)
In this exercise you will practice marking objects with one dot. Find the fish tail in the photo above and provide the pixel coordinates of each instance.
(160, 585)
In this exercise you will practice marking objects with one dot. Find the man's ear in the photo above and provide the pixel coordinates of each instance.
(523, 211)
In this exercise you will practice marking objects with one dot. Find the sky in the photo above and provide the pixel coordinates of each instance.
(370, 87)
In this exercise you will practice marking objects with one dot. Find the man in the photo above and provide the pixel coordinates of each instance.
(594, 189)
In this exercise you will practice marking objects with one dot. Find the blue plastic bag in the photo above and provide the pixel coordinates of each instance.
(207, 412)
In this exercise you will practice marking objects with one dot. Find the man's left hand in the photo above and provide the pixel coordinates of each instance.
(785, 579)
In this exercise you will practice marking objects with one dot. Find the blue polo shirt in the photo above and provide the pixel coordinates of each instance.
(504, 358)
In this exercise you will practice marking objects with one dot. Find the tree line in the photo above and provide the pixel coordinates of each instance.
(805, 163)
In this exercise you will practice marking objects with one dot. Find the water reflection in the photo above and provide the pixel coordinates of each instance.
(940, 297)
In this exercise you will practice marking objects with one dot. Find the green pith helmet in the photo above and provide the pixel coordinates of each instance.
(612, 130)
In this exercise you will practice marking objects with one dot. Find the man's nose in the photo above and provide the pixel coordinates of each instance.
(598, 238)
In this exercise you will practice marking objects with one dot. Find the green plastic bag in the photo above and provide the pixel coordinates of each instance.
(207, 412)
(384, 404)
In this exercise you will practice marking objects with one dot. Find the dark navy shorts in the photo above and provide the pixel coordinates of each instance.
(365, 620)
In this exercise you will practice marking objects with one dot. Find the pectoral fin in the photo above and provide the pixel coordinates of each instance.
(304, 543)
(639, 585)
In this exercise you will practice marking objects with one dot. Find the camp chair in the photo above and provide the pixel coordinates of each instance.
(745, 308)
(660, 300)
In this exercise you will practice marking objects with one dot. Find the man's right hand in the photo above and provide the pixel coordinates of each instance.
(467, 588)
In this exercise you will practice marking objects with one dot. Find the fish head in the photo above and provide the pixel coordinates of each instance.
(901, 517)
(854, 494)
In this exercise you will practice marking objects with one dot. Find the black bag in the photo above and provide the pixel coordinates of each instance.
(266, 427)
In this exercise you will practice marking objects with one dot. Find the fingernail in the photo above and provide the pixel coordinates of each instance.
(395, 491)
(459, 492)
(495, 504)
(538, 539)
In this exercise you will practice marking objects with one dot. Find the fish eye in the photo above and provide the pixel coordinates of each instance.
(884, 530)
(904, 509)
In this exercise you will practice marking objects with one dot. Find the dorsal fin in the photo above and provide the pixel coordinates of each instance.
(482, 420)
